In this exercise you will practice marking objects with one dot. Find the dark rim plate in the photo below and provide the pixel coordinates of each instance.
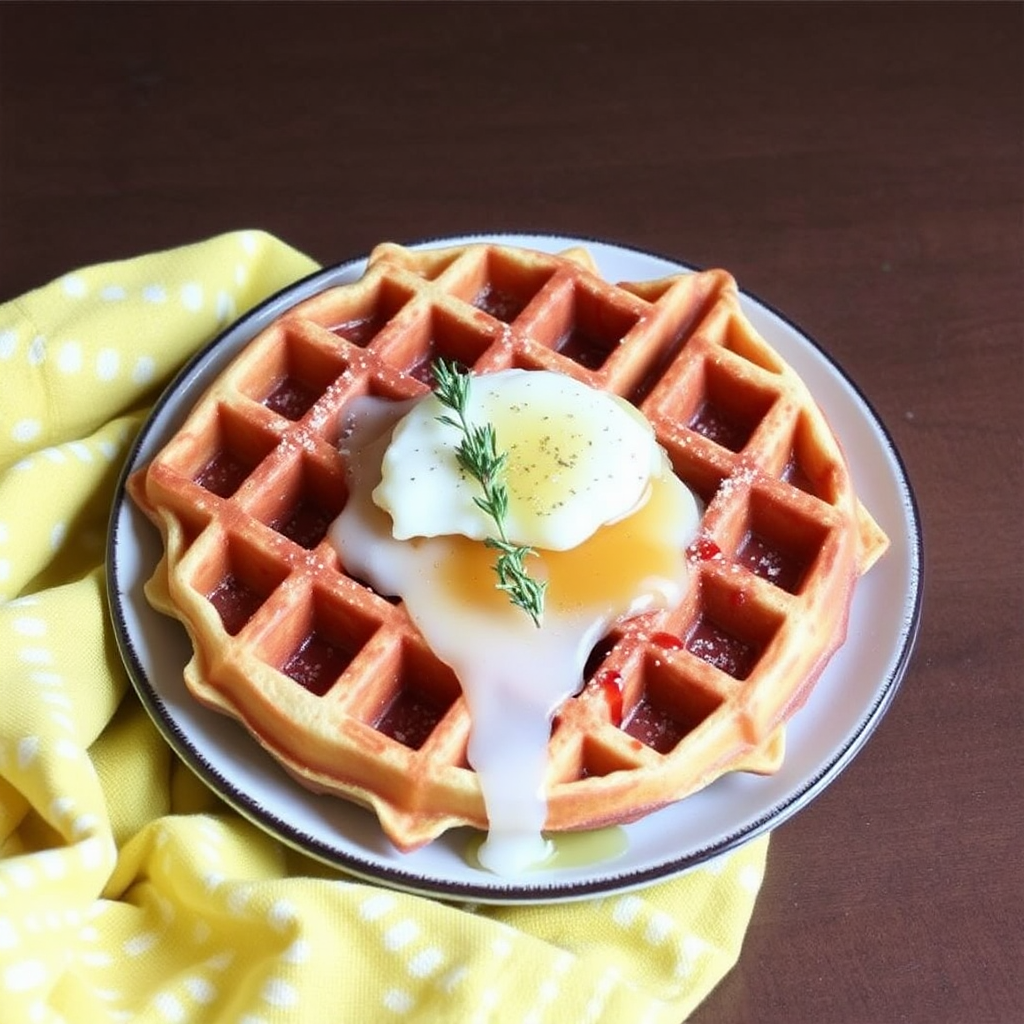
(850, 699)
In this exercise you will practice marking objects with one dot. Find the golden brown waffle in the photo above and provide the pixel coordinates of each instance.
(335, 681)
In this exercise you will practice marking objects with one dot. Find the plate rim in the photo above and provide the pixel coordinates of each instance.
(498, 890)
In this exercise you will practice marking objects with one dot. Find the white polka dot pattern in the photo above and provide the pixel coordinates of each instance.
(149, 897)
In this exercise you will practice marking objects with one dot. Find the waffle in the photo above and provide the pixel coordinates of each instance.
(335, 681)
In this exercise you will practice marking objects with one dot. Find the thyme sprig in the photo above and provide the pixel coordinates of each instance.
(477, 453)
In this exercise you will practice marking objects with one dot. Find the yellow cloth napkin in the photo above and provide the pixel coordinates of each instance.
(128, 890)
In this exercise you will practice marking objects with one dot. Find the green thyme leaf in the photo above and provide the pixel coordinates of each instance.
(478, 455)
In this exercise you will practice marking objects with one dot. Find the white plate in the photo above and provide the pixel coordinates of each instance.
(848, 702)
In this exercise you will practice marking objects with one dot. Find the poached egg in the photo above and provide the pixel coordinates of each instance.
(590, 490)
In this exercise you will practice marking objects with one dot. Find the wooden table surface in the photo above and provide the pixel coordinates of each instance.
(860, 167)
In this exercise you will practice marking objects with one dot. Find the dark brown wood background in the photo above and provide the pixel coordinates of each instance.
(859, 167)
